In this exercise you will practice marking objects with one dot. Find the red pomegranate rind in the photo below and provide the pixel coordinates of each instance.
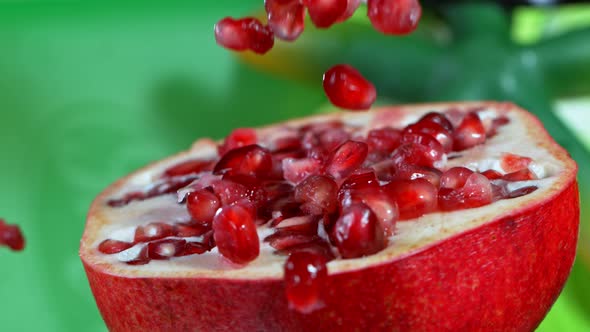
(525, 227)
(305, 278)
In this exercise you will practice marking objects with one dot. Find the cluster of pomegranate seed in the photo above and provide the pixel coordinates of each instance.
(345, 86)
(11, 236)
(326, 190)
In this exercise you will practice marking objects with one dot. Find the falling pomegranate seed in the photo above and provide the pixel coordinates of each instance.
(394, 17)
(202, 205)
(414, 198)
(110, 246)
(469, 133)
(235, 234)
(317, 194)
(347, 88)
(306, 276)
(243, 34)
(324, 13)
(346, 158)
(11, 236)
(357, 232)
(286, 18)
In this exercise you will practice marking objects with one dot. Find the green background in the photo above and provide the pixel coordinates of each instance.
(89, 92)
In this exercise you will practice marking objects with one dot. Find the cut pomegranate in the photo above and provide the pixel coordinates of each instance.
(11, 236)
(306, 275)
(243, 34)
(347, 88)
(394, 17)
(324, 13)
(286, 18)
(380, 201)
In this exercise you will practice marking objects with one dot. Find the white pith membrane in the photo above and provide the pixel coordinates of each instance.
(523, 136)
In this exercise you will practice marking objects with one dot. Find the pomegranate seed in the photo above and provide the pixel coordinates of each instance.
(238, 138)
(285, 240)
(522, 175)
(412, 172)
(412, 154)
(142, 257)
(491, 174)
(243, 34)
(455, 177)
(153, 231)
(351, 7)
(383, 205)
(476, 192)
(247, 160)
(357, 232)
(439, 119)
(434, 129)
(346, 158)
(191, 230)
(434, 148)
(240, 187)
(306, 276)
(235, 234)
(359, 181)
(414, 198)
(318, 247)
(168, 186)
(324, 13)
(202, 205)
(318, 195)
(307, 224)
(394, 17)
(512, 162)
(521, 192)
(189, 167)
(110, 247)
(11, 236)
(332, 138)
(165, 249)
(193, 248)
(286, 18)
(347, 88)
(470, 133)
(297, 170)
(384, 140)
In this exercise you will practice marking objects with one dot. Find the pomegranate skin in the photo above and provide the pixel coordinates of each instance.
(502, 276)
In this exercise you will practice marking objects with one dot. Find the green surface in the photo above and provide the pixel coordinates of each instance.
(91, 92)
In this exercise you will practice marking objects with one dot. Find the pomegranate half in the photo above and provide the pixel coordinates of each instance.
(491, 266)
